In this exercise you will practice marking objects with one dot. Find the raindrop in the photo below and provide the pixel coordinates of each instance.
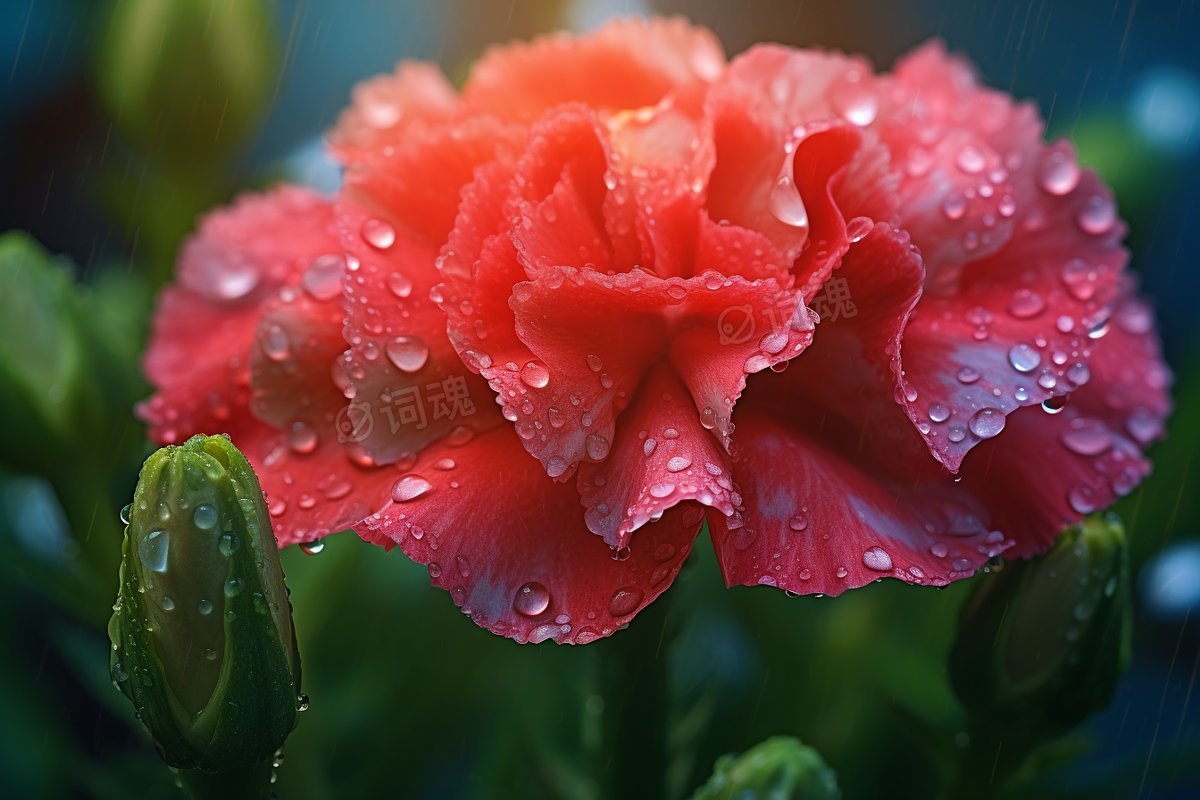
(1026, 304)
(275, 344)
(125, 513)
(399, 285)
(302, 702)
(410, 487)
(323, 278)
(302, 438)
(859, 228)
(205, 607)
(532, 599)
(1097, 215)
(986, 423)
(205, 516)
(1086, 437)
(597, 446)
(535, 375)
(1058, 173)
(378, 234)
(625, 601)
(408, 353)
(679, 463)
(877, 559)
(1024, 358)
(153, 550)
(312, 547)
(787, 205)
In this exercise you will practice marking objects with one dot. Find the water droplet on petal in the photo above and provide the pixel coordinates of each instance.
(1058, 173)
(1024, 358)
(323, 278)
(1026, 304)
(532, 599)
(535, 375)
(986, 423)
(410, 487)
(1086, 437)
(302, 438)
(378, 234)
(275, 344)
(625, 601)
(597, 446)
(399, 285)
(408, 353)
(859, 228)
(1097, 215)
(679, 463)
(787, 205)
(877, 559)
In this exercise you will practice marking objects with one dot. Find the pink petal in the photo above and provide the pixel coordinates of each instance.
(204, 326)
(510, 546)
(1018, 329)
(641, 61)
(662, 457)
(388, 107)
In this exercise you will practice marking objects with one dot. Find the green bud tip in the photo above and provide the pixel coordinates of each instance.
(202, 637)
(1042, 644)
(780, 767)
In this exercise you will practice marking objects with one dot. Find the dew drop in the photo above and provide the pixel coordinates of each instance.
(532, 599)
(312, 547)
(399, 285)
(153, 550)
(535, 375)
(877, 559)
(1058, 173)
(787, 205)
(408, 353)
(410, 487)
(679, 463)
(378, 234)
(1024, 358)
(302, 438)
(986, 423)
(323, 278)
(204, 517)
(275, 344)
(625, 601)
(1026, 304)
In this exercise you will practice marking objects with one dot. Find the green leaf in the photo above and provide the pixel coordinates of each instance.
(781, 768)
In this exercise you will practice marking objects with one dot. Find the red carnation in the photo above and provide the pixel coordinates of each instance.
(868, 325)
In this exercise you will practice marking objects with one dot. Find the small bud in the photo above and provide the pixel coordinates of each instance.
(1041, 645)
(780, 767)
(202, 638)
(187, 80)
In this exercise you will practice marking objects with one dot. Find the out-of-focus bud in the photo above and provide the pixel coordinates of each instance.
(780, 767)
(202, 638)
(1041, 645)
(187, 79)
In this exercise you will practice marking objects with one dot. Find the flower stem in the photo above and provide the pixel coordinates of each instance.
(246, 783)
(634, 683)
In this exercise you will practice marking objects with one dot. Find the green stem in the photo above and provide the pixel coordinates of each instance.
(245, 783)
(634, 683)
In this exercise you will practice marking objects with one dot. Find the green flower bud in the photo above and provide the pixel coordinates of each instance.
(780, 768)
(187, 78)
(202, 638)
(1041, 645)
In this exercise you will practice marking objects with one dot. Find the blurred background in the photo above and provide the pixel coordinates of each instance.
(121, 122)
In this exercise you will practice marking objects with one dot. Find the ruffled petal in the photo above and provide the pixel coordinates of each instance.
(386, 108)
(205, 324)
(1019, 328)
(510, 545)
(662, 456)
(641, 61)
(401, 368)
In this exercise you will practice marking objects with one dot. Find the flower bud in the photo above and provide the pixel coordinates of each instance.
(187, 79)
(1041, 645)
(780, 767)
(202, 638)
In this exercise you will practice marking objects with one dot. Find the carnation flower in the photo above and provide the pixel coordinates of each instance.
(867, 325)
